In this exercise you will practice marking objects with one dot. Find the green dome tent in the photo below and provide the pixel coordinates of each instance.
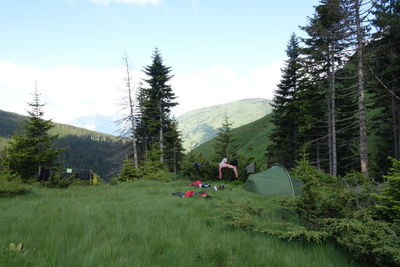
(275, 181)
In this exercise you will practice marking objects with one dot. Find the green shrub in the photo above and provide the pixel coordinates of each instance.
(360, 189)
(11, 184)
(354, 179)
(337, 210)
(57, 180)
(322, 195)
(151, 169)
(127, 172)
(160, 175)
(245, 215)
(388, 201)
(304, 170)
(371, 240)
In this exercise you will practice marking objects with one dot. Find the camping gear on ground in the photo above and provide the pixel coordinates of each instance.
(251, 168)
(275, 181)
(219, 187)
(200, 194)
(203, 194)
(196, 183)
(178, 194)
(189, 193)
(234, 162)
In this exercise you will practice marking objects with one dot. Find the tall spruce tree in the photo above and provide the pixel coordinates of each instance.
(347, 119)
(173, 146)
(157, 101)
(285, 145)
(141, 126)
(312, 130)
(33, 150)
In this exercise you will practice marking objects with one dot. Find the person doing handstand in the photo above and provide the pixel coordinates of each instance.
(224, 164)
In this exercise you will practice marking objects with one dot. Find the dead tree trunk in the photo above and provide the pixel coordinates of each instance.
(333, 115)
(161, 136)
(361, 92)
(131, 120)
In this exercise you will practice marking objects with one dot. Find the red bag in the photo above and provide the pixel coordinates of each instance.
(189, 193)
(196, 183)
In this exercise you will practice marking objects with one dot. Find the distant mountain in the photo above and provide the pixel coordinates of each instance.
(250, 139)
(84, 149)
(200, 125)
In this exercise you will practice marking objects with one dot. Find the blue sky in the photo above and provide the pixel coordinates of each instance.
(223, 50)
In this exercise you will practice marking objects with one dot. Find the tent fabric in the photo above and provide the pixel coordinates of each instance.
(250, 169)
(275, 181)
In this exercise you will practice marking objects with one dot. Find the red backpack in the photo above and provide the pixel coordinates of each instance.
(196, 183)
(189, 193)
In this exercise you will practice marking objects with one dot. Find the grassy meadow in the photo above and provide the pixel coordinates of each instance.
(142, 224)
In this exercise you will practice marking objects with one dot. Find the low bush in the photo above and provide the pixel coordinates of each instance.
(11, 184)
(150, 170)
(247, 216)
(57, 180)
(371, 240)
(337, 208)
(388, 199)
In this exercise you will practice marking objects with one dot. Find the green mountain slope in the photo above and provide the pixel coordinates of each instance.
(250, 139)
(200, 125)
(11, 123)
(84, 149)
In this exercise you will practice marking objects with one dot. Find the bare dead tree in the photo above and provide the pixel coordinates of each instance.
(128, 123)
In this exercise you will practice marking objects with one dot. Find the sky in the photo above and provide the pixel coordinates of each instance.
(218, 50)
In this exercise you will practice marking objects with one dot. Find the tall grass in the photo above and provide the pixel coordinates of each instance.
(142, 224)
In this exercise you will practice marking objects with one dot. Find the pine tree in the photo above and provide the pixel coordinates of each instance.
(33, 150)
(312, 130)
(347, 120)
(173, 146)
(223, 146)
(159, 99)
(141, 125)
(284, 139)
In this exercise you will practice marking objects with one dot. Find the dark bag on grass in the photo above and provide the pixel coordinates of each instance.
(234, 162)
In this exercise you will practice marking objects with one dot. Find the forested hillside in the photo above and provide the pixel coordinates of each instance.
(83, 149)
(200, 125)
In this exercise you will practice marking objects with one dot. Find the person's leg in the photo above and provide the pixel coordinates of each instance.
(236, 171)
(223, 165)
(220, 172)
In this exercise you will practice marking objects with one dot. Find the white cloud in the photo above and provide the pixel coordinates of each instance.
(140, 2)
(71, 92)
(68, 91)
(220, 84)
